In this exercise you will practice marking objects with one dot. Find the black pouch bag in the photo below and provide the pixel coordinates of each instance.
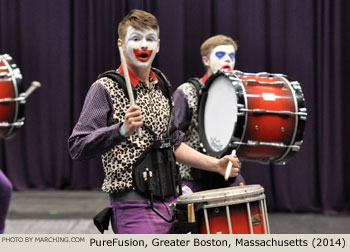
(155, 171)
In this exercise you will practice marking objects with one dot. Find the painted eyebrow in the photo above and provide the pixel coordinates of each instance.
(152, 37)
(135, 33)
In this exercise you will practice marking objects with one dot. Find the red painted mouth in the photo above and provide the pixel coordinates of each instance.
(226, 67)
(142, 55)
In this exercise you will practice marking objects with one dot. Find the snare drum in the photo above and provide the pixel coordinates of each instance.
(233, 210)
(260, 115)
(11, 103)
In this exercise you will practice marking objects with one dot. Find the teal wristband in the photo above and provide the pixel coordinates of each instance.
(123, 132)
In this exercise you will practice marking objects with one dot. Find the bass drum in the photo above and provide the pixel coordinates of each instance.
(11, 101)
(260, 115)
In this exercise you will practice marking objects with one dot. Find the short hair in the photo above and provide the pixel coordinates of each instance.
(215, 41)
(137, 19)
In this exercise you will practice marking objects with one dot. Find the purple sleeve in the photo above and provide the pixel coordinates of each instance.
(94, 133)
(183, 113)
(177, 136)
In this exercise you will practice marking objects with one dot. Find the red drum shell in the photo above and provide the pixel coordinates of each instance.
(267, 127)
(261, 115)
(236, 210)
(10, 87)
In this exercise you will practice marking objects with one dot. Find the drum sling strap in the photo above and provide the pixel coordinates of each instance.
(154, 173)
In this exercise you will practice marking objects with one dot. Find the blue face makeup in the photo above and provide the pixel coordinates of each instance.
(232, 56)
(220, 54)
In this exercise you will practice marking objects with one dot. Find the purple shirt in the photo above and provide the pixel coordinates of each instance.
(183, 112)
(94, 134)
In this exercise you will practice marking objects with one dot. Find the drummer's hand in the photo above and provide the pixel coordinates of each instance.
(132, 119)
(236, 165)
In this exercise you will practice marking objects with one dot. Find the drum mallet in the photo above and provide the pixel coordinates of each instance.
(34, 85)
(229, 167)
(127, 80)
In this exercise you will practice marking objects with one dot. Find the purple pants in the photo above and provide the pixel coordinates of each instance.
(197, 186)
(137, 217)
(5, 197)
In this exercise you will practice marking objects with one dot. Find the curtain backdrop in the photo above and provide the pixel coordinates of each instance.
(66, 44)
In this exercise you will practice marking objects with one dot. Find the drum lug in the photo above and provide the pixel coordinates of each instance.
(297, 145)
(303, 114)
(256, 220)
(295, 85)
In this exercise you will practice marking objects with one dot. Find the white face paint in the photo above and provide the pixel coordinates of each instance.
(222, 57)
(141, 46)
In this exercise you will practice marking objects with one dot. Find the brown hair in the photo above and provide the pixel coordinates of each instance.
(137, 19)
(215, 41)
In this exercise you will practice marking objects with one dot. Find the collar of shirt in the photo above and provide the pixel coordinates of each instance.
(134, 79)
(204, 78)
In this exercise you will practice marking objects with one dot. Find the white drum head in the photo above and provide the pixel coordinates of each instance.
(230, 194)
(220, 113)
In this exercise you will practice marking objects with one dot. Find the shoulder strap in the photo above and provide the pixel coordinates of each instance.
(118, 78)
(196, 82)
(166, 88)
(164, 83)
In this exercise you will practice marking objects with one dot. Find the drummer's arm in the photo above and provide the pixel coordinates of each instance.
(189, 156)
(94, 133)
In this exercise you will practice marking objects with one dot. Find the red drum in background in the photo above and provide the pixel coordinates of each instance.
(11, 102)
(233, 210)
(260, 115)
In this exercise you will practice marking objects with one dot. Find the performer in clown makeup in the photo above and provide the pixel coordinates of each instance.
(141, 46)
(107, 124)
(218, 53)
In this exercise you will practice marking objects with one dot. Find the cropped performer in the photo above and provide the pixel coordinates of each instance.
(5, 197)
(218, 53)
(10, 122)
(138, 143)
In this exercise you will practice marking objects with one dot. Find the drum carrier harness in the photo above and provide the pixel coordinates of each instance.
(154, 173)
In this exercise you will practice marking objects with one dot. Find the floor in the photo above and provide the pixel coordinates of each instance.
(71, 212)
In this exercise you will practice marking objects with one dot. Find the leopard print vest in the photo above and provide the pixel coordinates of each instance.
(118, 161)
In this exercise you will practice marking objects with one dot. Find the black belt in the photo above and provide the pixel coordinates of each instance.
(130, 195)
